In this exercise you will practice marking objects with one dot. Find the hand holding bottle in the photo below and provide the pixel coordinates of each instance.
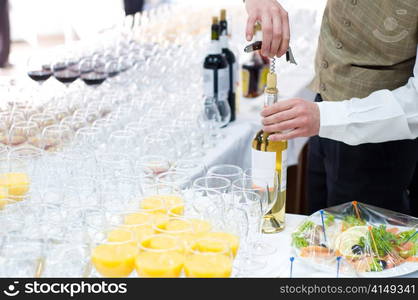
(275, 25)
(291, 118)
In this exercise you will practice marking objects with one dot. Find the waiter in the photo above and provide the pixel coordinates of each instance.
(366, 54)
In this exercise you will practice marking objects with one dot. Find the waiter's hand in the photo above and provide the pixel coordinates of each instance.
(291, 118)
(274, 23)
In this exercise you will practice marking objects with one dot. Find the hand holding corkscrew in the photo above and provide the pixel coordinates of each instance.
(257, 46)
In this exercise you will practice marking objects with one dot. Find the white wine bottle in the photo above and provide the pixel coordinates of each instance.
(269, 159)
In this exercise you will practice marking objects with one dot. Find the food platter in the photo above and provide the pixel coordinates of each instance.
(358, 240)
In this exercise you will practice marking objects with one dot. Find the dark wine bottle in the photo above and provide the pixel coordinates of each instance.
(232, 64)
(215, 72)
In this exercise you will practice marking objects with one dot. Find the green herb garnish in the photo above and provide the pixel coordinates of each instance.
(298, 239)
(351, 221)
(330, 219)
(404, 236)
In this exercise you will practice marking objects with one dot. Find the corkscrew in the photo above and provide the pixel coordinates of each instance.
(257, 46)
(273, 65)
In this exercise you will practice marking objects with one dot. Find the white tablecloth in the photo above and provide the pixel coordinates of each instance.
(279, 263)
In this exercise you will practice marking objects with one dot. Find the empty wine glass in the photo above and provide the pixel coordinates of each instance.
(24, 132)
(230, 172)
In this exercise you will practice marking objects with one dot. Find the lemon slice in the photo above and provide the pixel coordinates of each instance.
(347, 239)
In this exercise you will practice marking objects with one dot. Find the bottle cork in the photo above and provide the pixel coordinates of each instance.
(271, 86)
(223, 14)
(214, 20)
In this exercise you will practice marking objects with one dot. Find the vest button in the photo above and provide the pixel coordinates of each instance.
(338, 45)
(347, 23)
(354, 2)
(324, 64)
(323, 87)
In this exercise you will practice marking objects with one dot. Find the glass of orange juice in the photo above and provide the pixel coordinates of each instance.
(15, 178)
(138, 222)
(160, 256)
(115, 256)
(209, 258)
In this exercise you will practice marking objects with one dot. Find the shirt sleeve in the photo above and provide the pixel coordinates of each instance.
(382, 116)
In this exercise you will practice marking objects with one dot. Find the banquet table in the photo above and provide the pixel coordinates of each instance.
(279, 262)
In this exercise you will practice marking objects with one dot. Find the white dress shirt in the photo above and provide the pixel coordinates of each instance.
(382, 116)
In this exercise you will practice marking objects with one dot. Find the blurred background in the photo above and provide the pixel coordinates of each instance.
(46, 23)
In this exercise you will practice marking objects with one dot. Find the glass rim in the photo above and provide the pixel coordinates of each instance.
(239, 170)
(117, 227)
(148, 249)
(227, 250)
(168, 232)
(226, 180)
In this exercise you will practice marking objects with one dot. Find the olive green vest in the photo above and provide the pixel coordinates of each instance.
(364, 46)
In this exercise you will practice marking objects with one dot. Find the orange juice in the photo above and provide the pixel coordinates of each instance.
(114, 260)
(142, 231)
(3, 196)
(179, 226)
(161, 242)
(161, 256)
(119, 235)
(231, 239)
(211, 245)
(205, 265)
(137, 218)
(159, 264)
(174, 203)
(153, 204)
(17, 184)
(201, 226)
(160, 220)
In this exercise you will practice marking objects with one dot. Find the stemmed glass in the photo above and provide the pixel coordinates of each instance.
(252, 204)
(65, 72)
(24, 132)
(230, 172)
(92, 72)
(209, 118)
(39, 70)
(267, 198)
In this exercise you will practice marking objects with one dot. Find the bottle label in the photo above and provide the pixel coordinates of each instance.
(263, 166)
(283, 175)
(245, 82)
(209, 83)
(234, 77)
(223, 83)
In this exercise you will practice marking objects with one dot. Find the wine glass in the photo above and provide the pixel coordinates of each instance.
(209, 118)
(224, 112)
(209, 258)
(24, 132)
(230, 172)
(64, 71)
(56, 138)
(92, 72)
(267, 196)
(251, 203)
(39, 70)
